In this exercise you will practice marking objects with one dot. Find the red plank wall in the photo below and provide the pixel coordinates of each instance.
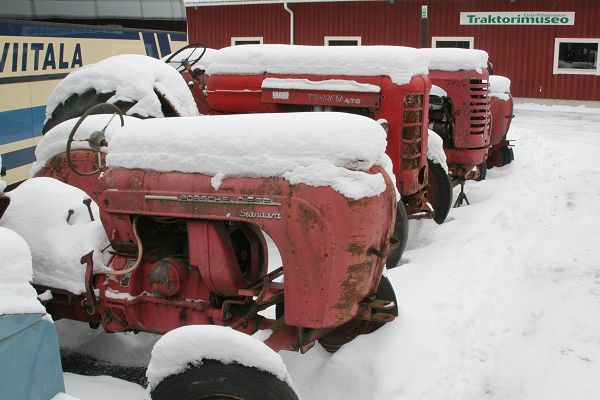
(523, 53)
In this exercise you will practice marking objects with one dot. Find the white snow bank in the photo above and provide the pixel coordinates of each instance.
(131, 77)
(435, 150)
(334, 149)
(192, 54)
(399, 63)
(437, 91)
(189, 345)
(55, 140)
(38, 212)
(17, 296)
(101, 388)
(451, 59)
(499, 87)
(341, 85)
(63, 396)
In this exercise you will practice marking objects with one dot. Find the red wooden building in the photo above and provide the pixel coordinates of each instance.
(549, 49)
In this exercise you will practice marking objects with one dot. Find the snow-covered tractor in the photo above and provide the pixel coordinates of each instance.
(501, 106)
(195, 209)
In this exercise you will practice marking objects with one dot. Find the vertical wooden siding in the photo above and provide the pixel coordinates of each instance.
(523, 53)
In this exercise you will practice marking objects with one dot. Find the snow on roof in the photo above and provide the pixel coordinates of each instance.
(38, 212)
(451, 59)
(189, 345)
(499, 87)
(332, 149)
(17, 296)
(192, 54)
(131, 77)
(399, 63)
(55, 140)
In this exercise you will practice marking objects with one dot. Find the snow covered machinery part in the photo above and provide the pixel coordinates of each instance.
(501, 106)
(459, 109)
(187, 251)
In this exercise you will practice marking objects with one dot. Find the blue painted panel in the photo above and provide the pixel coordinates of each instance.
(20, 124)
(179, 37)
(18, 158)
(30, 367)
(163, 44)
(15, 29)
(150, 44)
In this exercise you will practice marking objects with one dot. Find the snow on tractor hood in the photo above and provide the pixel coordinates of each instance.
(399, 63)
(17, 296)
(317, 149)
(499, 87)
(450, 59)
(131, 77)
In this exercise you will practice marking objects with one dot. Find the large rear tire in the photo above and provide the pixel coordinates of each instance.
(400, 235)
(218, 381)
(439, 191)
(350, 330)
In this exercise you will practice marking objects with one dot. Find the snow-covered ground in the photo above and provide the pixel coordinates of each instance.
(500, 302)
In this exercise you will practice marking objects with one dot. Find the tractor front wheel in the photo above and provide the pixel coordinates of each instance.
(439, 191)
(350, 330)
(213, 380)
(400, 235)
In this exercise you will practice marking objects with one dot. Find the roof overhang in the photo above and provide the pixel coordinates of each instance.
(206, 3)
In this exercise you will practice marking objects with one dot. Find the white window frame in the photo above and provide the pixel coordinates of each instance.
(358, 39)
(575, 71)
(259, 39)
(470, 39)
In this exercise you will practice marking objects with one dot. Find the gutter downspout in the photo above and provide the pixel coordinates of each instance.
(286, 8)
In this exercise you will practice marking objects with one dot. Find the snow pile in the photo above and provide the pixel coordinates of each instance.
(437, 91)
(17, 296)
(499, 87)
(192, 54)
(38, 212)
(54, 142)
(435, 150)
(133, 78)
(189, 345)
(399, 63)
(317, 149)
(451, 59)
(341, 85)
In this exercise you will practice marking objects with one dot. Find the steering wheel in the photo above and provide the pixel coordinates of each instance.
(97, 140)
(185, 64)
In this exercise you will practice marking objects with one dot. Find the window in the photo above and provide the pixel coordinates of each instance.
(576, 56)
(235, 41)
(458, 42)
(342, 40)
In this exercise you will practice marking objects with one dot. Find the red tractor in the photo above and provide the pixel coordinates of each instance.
(384, 83)
(189, 251)
(460, 110)
(501, 106)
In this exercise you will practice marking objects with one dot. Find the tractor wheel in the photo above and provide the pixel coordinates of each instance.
(400, 234)
(507, 155)
(482, 171)
(350, 330)
(77, 104)
(218, 381)
(439, 191)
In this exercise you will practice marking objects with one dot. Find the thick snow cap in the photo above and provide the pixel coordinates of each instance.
(317, 149)
(17, 296)
(178, 349)
(399, 63)
(499, 87)
(447, 59)
(131, 77)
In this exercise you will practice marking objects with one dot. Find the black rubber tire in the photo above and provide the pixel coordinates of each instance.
(439, 192)
(218, 381)
(507, 155)
(77, 104)
(335, 339)
(482, 172)
(400, 234)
